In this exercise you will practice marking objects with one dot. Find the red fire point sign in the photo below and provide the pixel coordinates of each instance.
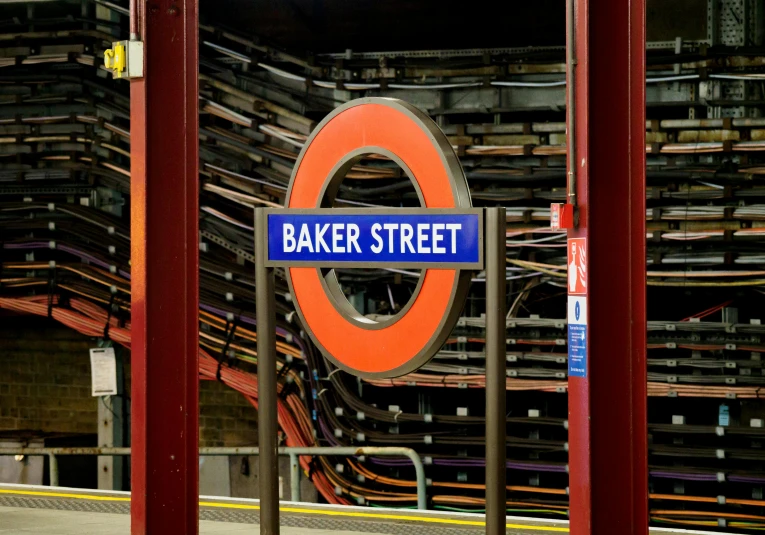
(577, 266)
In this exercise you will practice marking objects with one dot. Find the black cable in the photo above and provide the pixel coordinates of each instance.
(52, 285)
(109, 311)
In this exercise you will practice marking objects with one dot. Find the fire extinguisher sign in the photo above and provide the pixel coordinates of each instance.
(577, 266)
(577, 307)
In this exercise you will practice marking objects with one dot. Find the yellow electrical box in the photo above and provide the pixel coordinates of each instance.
(114, 58)
(125, 59)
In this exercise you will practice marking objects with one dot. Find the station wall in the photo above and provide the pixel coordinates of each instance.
(45, 386)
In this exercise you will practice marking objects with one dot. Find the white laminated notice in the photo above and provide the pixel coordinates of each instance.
(103, 371)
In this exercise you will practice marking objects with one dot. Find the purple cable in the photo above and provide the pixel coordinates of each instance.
(662, 474)
(746, 479)
(91, 258)
(537, 467)
(473, 463)
(222, 313)
(65, 248)
(244, 319)
(29, 245)
(329, 435)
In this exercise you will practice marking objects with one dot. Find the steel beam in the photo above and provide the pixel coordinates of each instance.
(164, 146)
(607, 408)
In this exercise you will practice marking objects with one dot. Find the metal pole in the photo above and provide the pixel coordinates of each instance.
(294, 477)
(164, 190)
(607, 394)
(496, 371)
(53, 469)
(570, 97)
(267, 413)
(111, 426)
(422, 483)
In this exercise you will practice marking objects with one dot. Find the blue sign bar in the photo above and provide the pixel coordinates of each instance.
(392, 238)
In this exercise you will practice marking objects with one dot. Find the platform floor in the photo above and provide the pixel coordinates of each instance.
(62, 511)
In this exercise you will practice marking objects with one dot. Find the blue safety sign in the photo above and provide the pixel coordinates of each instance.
(577, 336)
(427, 238)
(577, 350)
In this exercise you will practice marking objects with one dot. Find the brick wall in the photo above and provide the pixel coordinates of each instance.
(44, 379)
(225, 417)
(45, 386)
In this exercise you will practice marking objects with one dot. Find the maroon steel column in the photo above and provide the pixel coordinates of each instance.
(165, 260)
(607, 408)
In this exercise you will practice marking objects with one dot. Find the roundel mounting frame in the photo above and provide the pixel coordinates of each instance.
(408, 340)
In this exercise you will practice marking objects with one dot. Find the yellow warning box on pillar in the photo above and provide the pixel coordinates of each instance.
(125, 59)
(114, 58)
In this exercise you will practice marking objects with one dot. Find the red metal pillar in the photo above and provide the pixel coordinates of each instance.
(165, 269)
(607, 407)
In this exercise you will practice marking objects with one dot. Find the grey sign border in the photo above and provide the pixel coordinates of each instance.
(380, 211)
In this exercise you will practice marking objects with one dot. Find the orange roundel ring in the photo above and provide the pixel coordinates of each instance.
(408, 340)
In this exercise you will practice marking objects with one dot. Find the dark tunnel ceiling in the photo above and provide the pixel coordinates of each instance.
(377, 25)
(366, 25)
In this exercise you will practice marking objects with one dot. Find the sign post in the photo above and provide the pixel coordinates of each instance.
(444, 238)
(496, 372)
(265, 310)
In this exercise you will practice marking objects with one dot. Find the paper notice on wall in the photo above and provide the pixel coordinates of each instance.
(103, 371)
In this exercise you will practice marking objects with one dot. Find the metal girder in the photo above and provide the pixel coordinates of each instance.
(165, 269)
(607, 407)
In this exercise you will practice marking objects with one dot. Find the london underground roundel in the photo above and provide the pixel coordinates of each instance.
(401, 132)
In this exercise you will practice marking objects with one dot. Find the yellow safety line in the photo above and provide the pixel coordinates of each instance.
(352, 514)
(66, 495)
(382, 516)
